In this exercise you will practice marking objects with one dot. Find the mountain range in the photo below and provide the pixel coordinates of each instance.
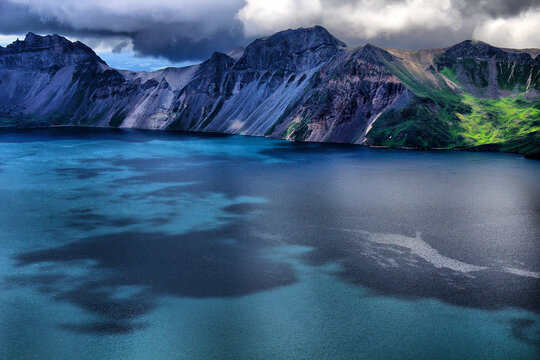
(302, 84)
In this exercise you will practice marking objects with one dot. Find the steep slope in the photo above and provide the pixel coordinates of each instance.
(487, 71)
(471, 94)
(345, 97)
(48, 80)
(301, 84)
(250, 94)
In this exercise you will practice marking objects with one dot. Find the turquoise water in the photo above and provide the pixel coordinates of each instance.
(153, 245)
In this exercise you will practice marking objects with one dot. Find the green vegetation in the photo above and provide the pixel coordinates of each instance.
(428, 121)
(527, 145)
(418, 125)
(298, 128)
(497, 120)
(446, 71)
(291, 128)
(443, 118)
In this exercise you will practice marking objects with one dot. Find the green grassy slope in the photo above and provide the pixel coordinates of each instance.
(445, 117)
(428, 121)
(498, 120)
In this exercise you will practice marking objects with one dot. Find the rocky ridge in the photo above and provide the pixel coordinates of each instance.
(301, 84)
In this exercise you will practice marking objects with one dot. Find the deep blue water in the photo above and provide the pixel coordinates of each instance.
(155, 245)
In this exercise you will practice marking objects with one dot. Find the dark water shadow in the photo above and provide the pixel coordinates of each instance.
(524, 330)
(391, 270)
(84, 173)
(224, 262)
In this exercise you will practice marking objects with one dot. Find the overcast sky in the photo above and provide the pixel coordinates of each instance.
(176, 32)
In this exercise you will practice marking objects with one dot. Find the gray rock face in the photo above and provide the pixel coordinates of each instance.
(301, 84)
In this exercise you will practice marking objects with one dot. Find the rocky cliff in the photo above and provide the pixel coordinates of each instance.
(301, 84)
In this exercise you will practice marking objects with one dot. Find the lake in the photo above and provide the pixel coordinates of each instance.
(123, 244)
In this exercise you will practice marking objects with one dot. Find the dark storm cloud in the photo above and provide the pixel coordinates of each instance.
(499, 8)
(174, 30)
(192, 30)
(15, 19)
(494, 8)
(179, 45)
(18, 19)
(417, 38)
(118, 48)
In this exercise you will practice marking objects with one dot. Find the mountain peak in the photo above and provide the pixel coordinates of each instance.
(34, 42)
(52, 49)
(371, 48)
(471, 47)
(217, 62)
(30, 36)
(475, 49)
(373, 53)
(302, 38)
(291, 49)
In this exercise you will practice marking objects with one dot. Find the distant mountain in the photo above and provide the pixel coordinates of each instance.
(301, 84)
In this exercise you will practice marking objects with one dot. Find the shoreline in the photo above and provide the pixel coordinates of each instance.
(473, 148)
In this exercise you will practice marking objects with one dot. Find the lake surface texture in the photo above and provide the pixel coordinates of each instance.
(155, 245)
